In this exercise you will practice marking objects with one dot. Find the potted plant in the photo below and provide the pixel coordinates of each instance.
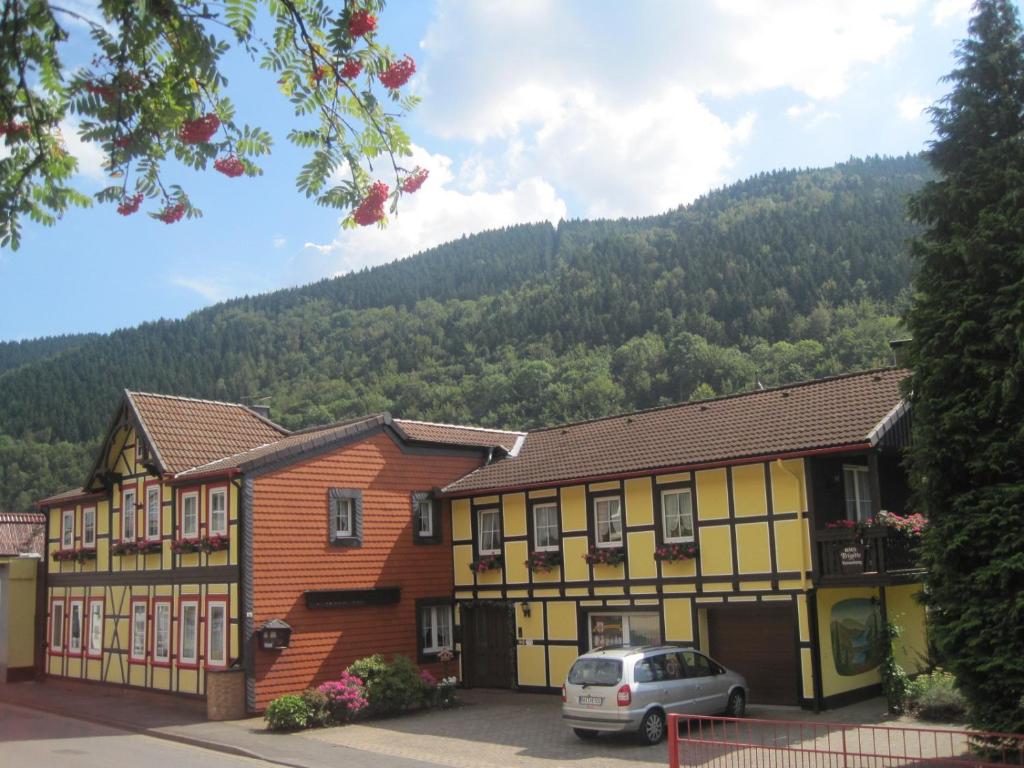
(543, 562)
(486, 563)
(672, 553)
(148, 547)
(613, 556)
(214, 543)
(185, 546)
(121, 548)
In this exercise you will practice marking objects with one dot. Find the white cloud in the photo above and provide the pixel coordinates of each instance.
(210, 289)
(439, 212)
(279, 242)
(797, 111)
(90, 156)
(911, 107)
(951, 10)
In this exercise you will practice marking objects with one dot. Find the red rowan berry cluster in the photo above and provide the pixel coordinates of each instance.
(371, 210)
(229, 166)
(398, 73)
(102, 90)
(172, 213)
(199, 130)
(351, 68)
(13, 127)
(122, 141)
(361, 23)
(415, 180)
(319, 73)
(130, 204)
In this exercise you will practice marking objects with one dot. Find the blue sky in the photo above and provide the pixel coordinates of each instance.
(532, 110)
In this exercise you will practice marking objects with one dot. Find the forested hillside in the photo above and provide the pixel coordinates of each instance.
(784, 276)
(15, 353)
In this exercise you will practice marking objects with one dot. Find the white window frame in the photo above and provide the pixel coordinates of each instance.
(480, 531)
(682, 515)
(429, 620)
(152, 492)
(538, 547)
(89, 516)
(162, 607)
(95, 624)
(138, 632)
(129, 513)
(212, 606)
(858, 470)
(337, 530)
(213, 513)
(597, 523)
(67, 532)
(193, 532)
(76, 606)
(425, 512)
(57, 627)
(184, 658)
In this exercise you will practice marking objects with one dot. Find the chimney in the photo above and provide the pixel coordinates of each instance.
(899, 350)
(260, 410)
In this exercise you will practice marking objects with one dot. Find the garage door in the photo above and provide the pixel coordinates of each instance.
(759, 642)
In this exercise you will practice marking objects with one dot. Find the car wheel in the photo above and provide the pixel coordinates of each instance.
(652, 727)
(584, 734)
(737, 704)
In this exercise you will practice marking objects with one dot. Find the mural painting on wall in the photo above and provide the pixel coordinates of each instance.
(856, 633)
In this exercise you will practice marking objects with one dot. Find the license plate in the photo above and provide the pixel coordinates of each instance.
(591, 701)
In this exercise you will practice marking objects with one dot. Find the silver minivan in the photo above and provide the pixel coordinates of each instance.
(627, 688)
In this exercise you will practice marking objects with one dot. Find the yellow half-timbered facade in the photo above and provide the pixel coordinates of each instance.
(143, 566)
(717, 524)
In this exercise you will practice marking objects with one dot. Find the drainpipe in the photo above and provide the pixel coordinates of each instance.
(803, 508)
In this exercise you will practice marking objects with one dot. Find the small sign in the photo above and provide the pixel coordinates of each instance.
(851, 558)
(528, 641)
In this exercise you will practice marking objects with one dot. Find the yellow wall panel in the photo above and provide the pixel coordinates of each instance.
(675, 477)
(462, 558)
(561, 620)
(574, 508)
(678, 620)
(515, 562)
(611, 485)
(641, 562)
(679, 588)
(748, 491)
(462, 528)
(513, 514)
(680, 568)
(609, 591)
(486, 501)
(712, 495)
(715, 550)
(517, 593)
(554, 575)
(789, 550)
(609, 572)
(752, 548)
(788, 486)
(755, 586)
(544, 493)
(801, 618)
(806, 673)
(560, 659)
(532, 626)
(537, 592)
(490, 578)
(531, 668)
(575, 567)
(903, 609)
(577, 591)
(639, 502)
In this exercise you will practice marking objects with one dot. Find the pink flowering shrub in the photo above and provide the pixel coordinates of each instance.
(346, 697)
(428, 679)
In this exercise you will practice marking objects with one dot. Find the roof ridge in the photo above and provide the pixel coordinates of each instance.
(243, 406)
(340, 423)
(461, 426)
(719, 398)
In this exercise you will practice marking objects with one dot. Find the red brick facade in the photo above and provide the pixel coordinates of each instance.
(292, 554)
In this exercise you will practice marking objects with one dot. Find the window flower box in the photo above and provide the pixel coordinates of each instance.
(65, 555)
(613, 556)
(148, 547)
(672, 553)
(214, 543)
(85, 553)
(543, 562)
(123, 548)
(486, 563)
(185, 546)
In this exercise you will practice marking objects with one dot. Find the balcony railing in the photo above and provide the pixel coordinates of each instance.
(871, 552)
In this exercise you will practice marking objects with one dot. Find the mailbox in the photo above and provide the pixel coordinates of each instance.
(274, 635)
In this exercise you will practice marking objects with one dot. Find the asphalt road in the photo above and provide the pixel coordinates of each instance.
(38, 740)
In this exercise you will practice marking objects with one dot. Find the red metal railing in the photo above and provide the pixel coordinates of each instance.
(713, 742)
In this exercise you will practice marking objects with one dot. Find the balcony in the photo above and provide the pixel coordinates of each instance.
(877, 555)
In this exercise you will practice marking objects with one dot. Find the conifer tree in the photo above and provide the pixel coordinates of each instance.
(967, 358)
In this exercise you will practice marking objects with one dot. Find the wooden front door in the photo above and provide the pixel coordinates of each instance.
(488, 645)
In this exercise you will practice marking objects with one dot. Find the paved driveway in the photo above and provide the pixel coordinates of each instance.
(500, 729)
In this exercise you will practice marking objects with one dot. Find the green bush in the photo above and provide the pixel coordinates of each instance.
(934, 696)
(391, 688)
(319, 707)
(287, 713)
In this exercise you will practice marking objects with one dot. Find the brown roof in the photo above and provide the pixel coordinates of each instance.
(813, 415)
(22, 533)
(453, 434)
(185, 432)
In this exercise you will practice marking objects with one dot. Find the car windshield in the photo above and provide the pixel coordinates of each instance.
(595, 672)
